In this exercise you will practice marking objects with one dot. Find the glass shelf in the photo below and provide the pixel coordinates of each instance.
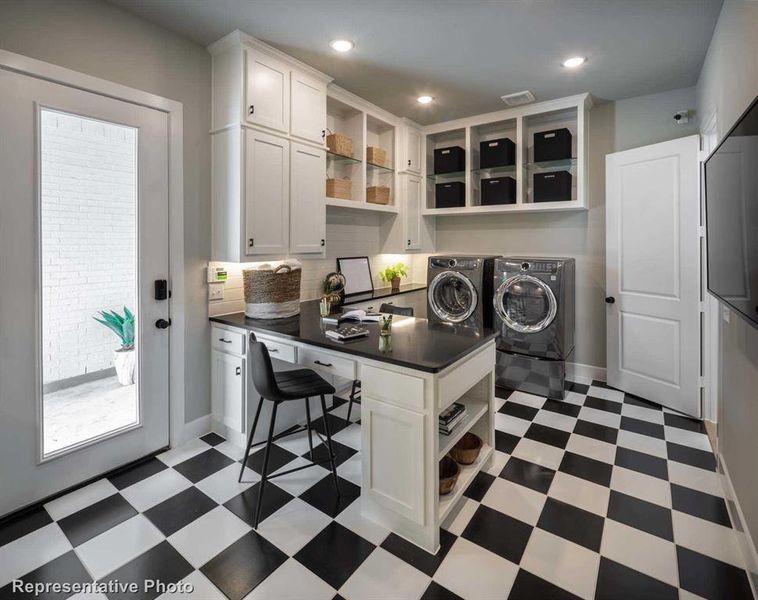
(341, 159)
(448, 176)
(552, 165)
(496, 171)
(379, 168)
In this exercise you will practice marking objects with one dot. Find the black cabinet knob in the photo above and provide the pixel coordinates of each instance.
(610, 299)
(162, 323)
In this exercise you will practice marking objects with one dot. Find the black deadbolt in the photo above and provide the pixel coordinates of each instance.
(161, 289)
(162, 323)
(610, 299)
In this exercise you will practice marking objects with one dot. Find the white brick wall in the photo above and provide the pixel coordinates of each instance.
(88, 239)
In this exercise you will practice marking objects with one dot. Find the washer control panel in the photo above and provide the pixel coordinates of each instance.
(459, 264)
(537, 266)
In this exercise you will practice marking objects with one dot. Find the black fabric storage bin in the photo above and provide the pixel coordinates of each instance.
(498, 190)
(497, 153)
(552, 187)
(450, 195)
(449, 160)
(552, 145)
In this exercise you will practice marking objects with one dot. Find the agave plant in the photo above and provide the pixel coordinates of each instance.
(122, 326)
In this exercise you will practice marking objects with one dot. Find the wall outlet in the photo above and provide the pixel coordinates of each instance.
(216, 291)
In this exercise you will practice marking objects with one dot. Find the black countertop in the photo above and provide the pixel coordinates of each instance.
(385, 293)
(415, 343)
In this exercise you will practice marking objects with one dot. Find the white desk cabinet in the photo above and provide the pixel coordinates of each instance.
(228, 390)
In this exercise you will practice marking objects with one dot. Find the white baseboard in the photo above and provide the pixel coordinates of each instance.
(196, 428)
(584, 373)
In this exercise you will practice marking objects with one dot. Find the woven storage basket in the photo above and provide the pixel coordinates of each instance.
(376, 156)
(339, 144)
(378, 195)
(272, 294)
(340, 187)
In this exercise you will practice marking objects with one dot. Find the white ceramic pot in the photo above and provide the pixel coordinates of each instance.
(124, 361)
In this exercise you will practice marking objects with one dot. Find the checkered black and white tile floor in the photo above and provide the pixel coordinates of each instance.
(602, 496)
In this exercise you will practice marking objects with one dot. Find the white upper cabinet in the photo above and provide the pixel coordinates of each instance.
(411, 147)
(267, 91)
(307, 208)
(307, 108)
(412, 212)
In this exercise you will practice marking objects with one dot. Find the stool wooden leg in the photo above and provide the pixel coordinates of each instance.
(329, 444)
(250, 439)
(265, 466)
(308, 425)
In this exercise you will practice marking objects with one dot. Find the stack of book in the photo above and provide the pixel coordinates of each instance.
(451, 417)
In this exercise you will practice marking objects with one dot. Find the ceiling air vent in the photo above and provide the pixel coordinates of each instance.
(518, 98)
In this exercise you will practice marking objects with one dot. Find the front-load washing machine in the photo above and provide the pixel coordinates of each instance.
(459, 290)
(534, 310)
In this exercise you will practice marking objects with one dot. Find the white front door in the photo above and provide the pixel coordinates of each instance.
(652, 273)
(83, 236)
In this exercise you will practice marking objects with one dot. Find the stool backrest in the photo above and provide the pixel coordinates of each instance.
(391, 309)
(262, 371)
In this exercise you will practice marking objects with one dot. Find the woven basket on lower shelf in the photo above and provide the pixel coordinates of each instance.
(339, 144)
(339, 187)
(272, 293)
(379, 194)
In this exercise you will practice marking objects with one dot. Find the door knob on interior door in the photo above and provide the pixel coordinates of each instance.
(162, 323)
(610, 300)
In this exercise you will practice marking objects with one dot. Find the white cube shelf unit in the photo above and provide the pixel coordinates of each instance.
(519, 124)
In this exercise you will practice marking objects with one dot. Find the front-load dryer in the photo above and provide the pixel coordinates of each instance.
(459, 290)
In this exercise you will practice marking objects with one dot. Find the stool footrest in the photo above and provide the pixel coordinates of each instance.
(313, 464)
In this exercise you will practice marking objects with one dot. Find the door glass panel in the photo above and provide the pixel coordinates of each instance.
(526, 302)
(453, 297)
(88, 226)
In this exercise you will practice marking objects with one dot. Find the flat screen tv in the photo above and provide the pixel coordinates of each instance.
(731, 203)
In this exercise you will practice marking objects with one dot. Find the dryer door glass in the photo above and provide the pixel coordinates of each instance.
(452, 297)
(525, 304)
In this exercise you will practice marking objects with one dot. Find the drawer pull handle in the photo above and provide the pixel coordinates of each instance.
(318, 362)
(272, 350)
(238, 371)
(225, 341)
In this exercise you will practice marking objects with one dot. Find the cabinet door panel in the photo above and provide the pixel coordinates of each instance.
(307, 108)
(267, 91)
(413, 149)
(228, 391)
(307, 209)
(412, 212)
(267, 175)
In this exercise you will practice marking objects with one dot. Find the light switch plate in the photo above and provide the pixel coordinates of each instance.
(216, 291)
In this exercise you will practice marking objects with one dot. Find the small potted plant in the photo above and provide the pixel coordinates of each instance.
(123, 327)
(393, 273)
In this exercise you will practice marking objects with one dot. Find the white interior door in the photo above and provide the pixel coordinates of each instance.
(652, 273)
(83, 229)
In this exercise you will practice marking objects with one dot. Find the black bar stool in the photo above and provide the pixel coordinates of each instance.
(285, 386)
(388, 309)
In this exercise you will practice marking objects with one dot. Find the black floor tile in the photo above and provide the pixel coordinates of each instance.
(643, 427)
(131, 475)
(579, 388)
(335, 554)
(276, 460)
(571, 523)
(245, 504)
(587, 468)
(528, 474)
(203, 465)
(642, 463)
(505, 442)
(548, 435)
(66, 569)
(602, 384)
(530, 587)
(641, 514)
(615, 581)
(243, 565)
(683, 422)
(711, 578)
(520, 411)
(212, 438)
(562, 408)
(180, 510)
(497, 532)
(161, 563)
(96, 518)
(603, 404)
(502, 393)
(323, 496)
(335, 423)
(700, 504)
(479, 486)
(320, 452)
(436, 592)
(641, 402)
(691, 456)
(19, 525)
(597, 432)
(413, 555)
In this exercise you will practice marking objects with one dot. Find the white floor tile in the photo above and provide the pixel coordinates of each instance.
(93, 596)
(497, 463)
(574, 398)
(223, 485)
(349, 436)
(155, 489)
(366, 528)
(642, 551)
(292, 581)
(208, 535)
(601, 417)
(341, 411)
(555, 420)
(561, 562)
(351, 469)
(293, 525)
(707, 538)
(33, 550)
(382, 572)
(79, 499)
(188, 450)
(643, 414)
(692, 439)
(539, 453)
(696, 478)
(499, 402)
(605, 393)
(511, 424)
(641, 486)
(298, 443)
(231, 450)
(106, 552)
(528, 399)
(203, 589)
(642, 443)
(473, 572)
(296, 483)
(591, 448)
(580, 492)
(515, 500)
(459, 516)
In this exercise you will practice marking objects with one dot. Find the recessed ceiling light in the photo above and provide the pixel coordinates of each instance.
(574, 62)
(342, 45)
(424, 99)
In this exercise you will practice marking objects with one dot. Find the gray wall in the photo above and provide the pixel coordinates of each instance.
(614, 126)
(727, 85)
(102, 40)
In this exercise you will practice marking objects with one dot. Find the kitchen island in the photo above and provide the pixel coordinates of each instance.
(406, 381)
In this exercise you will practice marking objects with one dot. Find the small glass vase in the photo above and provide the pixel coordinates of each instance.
(324, 307)
(385, 326)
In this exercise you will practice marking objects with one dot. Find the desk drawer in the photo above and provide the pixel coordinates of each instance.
(326, 362)
(279, 350)
(228, 341)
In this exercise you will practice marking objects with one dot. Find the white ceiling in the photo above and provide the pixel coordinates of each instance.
(467, 53)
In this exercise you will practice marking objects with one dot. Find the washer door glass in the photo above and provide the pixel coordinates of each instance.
(452, 297)
(525, 304)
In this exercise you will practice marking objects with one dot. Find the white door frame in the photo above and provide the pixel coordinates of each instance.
(174, 110)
